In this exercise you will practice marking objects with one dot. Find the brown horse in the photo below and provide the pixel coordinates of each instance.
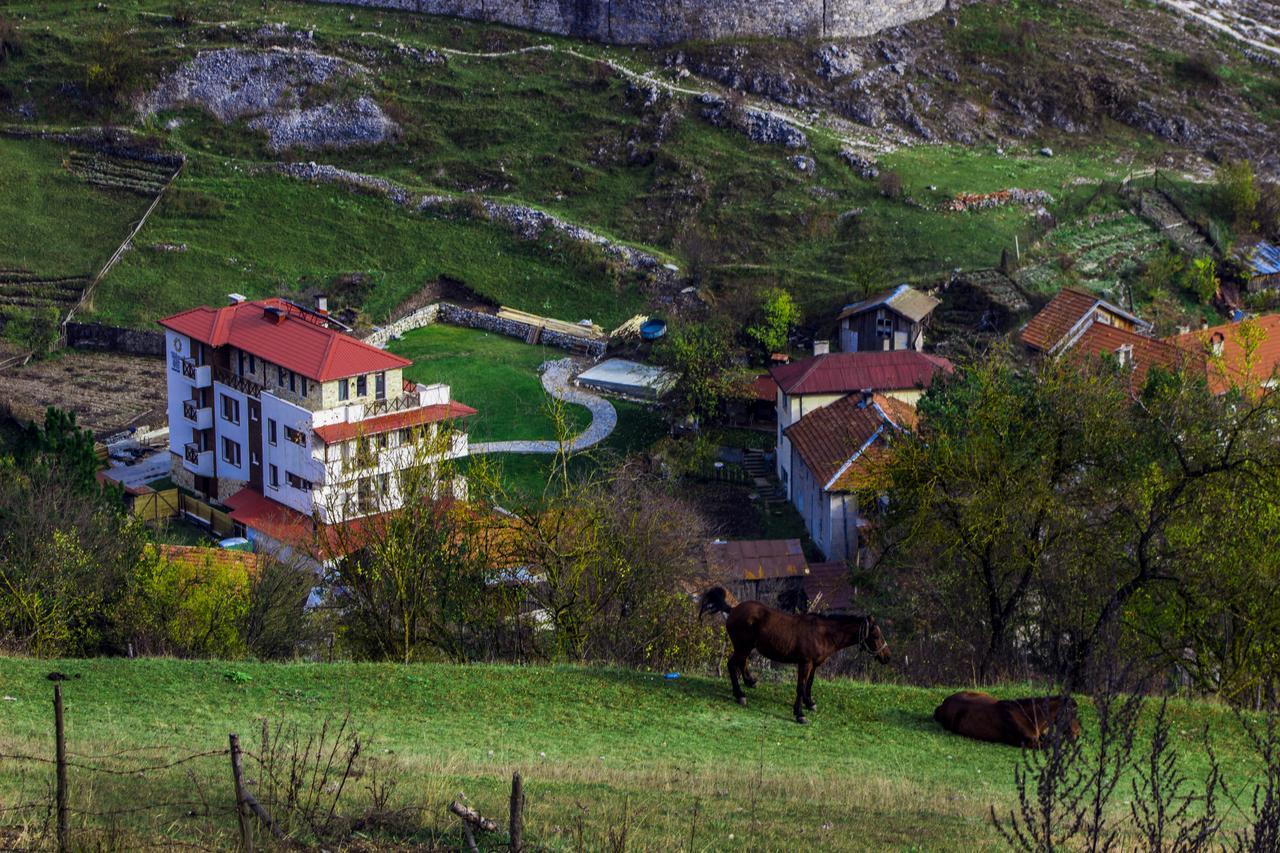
(1016, 722)
(805, 639)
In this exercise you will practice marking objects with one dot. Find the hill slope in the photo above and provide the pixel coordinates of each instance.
(871, 771)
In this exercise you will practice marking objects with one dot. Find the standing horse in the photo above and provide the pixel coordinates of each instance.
(805, 639)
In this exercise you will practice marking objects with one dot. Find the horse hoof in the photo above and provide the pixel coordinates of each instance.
(742, 700)
(802, 721)
(811, 706)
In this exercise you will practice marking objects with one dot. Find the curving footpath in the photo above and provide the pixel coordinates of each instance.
(557, 379)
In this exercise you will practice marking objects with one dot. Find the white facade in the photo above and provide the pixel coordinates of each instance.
(830, 517)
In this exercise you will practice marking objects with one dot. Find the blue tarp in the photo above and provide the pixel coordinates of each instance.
(1265, 259)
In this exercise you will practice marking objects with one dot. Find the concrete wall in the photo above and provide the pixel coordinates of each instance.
(670, 21)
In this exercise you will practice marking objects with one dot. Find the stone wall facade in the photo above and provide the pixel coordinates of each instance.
(456, 315)
(114, 339)
(671, 21)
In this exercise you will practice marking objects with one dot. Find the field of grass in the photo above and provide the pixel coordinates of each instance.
(871, 771)
(54, 223)
(494, 374)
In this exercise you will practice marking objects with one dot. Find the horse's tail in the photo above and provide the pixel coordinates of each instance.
(714, 600)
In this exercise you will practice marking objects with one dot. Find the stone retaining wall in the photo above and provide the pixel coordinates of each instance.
(96, 336)
(671, 21)
(456, 315)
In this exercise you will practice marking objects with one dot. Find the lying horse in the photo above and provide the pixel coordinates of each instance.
(1017, 722)
(805, 639)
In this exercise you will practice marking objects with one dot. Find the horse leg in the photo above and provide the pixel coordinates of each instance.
(737, 664)
(747, 678)
(802, 678)
(808, 688)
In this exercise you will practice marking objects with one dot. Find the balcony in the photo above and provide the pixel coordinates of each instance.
(197, 461)
(199, 417)
(244, 385)
(201, 375)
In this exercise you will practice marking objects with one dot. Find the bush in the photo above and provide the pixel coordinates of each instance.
(33, 329)
(890, 184)
(112, 66)
(11, 41)
(1200, 70)
(1201, 278)
(1237, 192)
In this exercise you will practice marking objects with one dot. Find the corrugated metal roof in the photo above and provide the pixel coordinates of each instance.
(1265, 259)
(904, 299)
(757, 559)
(846, 372)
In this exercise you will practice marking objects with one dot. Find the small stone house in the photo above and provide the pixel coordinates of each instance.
(893, 320)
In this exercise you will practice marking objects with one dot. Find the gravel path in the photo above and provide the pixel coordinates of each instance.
(557, 378)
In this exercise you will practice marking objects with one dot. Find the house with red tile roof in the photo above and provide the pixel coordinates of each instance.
(279, 414)
(810, 384)
(833, 450)
(1069, 314)
(1243, 354)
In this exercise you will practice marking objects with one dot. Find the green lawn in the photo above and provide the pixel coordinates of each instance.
(54, 223)
(494, 374)
(871, 771)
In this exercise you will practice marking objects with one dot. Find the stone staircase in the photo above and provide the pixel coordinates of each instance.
(762, 476)
(1156, 206)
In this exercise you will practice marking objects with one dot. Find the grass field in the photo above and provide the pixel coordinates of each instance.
(54, 223)
(871, 771)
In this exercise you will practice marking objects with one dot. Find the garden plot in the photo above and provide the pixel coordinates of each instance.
(1099, 252)
(116, 173)
(107, 392)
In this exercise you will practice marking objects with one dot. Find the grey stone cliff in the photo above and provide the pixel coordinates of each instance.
(670, 21)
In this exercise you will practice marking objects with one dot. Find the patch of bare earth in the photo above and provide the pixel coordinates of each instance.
(108, 392)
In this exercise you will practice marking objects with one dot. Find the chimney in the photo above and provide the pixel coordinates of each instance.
(1184, 330)
(1125, 355)
(821, 347)
(322, 304)
(273, 314)
(235, 298)
(1217, 342)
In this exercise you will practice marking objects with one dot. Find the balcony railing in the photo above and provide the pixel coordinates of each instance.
(392, 404)
(201, 417)
(197, 373)
(196, 460)
(242, 384)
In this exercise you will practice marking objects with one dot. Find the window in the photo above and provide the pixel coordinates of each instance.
(253, 413)
(298, 482)
(296, 436)
(382, 441)
(293, 385)
(380, 386)
(253, 365)
(344, 389)
(274, 478)
(240, 362)
(280, 374)
(362, 386)
(304, 386)
(271, 431)
(230, 452)
(230, 409)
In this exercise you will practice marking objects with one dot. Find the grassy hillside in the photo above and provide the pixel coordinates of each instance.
(872, 771)
(554, 128)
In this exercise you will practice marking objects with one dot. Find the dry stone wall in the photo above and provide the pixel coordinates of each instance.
(670, 21)
(456, 315)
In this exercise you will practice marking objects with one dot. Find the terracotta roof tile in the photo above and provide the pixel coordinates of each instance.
(1234, 366)
(1100, 339)
(198, 557)
(300, 342)
(332, 433)
(836, 441)
(846, 372)
(1065, 312)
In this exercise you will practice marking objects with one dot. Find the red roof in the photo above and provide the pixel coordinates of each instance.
(1241, 359)
(300, 342)
(761, 559)
(291, 528)
(333, 433)
(846, 372)
(1065, 312)
(1101, 339)
(835, 442)
(764, 388)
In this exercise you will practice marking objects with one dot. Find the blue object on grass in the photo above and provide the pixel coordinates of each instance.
(672, 675)
(651, 330)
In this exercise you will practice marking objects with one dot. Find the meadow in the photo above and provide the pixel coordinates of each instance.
(687, 767)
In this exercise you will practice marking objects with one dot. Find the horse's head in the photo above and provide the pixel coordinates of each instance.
(874, 641)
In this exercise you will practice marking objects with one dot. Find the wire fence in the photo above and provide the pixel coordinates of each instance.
(203, 800)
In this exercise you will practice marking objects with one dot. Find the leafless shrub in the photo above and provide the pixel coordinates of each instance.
(1263, 831)
(890, 184)
(1162, 803)
(302, 776)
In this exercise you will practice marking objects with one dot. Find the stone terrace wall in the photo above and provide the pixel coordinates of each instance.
(456, 315)
(114, 339)
(670, 21)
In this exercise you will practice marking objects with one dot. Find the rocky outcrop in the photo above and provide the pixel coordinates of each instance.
(667, 21)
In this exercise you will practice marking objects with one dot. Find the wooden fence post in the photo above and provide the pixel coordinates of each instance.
(246, 837)
(516, 828)
(60, 754)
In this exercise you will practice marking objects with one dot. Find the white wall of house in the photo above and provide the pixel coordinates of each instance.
(289, 458)
(225, 429)
(178, 388)
(791, 408)
(830, 517)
